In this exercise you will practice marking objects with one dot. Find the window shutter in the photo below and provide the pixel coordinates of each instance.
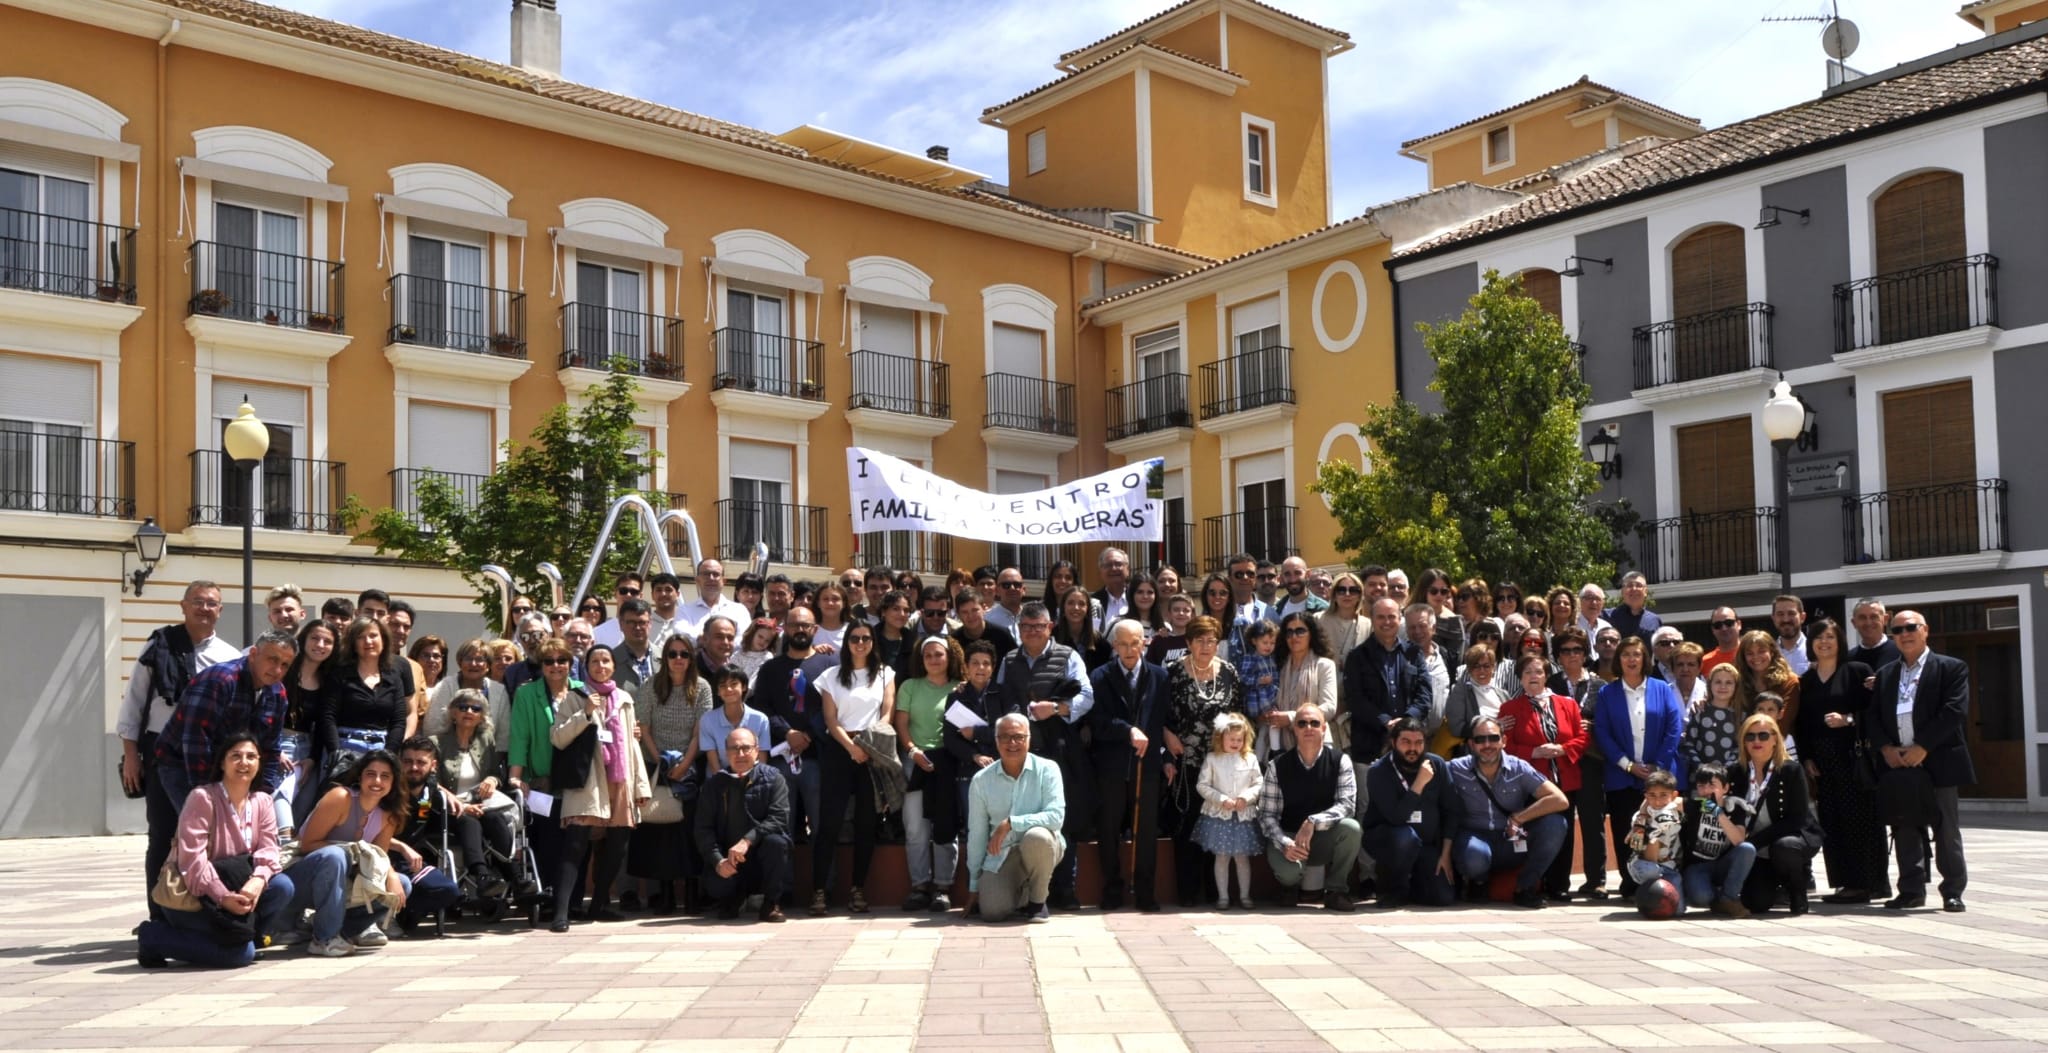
(1708, 272)
(1930, 436)
(58, 390)
(1920, 221)
(1716, 470)
(1019, 352)
(449, 438)
(1544, 287)
(760, 460)
(889, 330)
(274, 404)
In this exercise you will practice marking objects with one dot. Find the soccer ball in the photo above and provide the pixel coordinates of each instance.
(1658, 899)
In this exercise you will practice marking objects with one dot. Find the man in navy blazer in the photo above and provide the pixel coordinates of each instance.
(1636, 741)
(1129, 729)
(1917, 719)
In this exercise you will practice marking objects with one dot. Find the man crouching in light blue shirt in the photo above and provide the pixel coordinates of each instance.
(1014, 811)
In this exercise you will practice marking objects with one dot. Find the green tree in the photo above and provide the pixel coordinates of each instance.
(545, 502)
(1496, 484)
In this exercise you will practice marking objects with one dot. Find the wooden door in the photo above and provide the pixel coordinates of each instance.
(1709, 275)
(1919, 224)
(1717, 537)
(1930, 507)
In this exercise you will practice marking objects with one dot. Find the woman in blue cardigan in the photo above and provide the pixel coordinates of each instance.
(1638, 729)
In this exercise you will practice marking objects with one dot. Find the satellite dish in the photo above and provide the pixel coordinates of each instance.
(1839, 37)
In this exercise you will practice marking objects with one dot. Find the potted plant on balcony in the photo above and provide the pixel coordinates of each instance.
(210, 301)
(407, 333)
(812, 389)
(659, 366)
(320, 322)
(270, 318)
(505, 345)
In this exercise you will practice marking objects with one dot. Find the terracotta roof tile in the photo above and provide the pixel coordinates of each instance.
(1977, 76)
(1134, 45)
(1584, 83)
(1190, 3)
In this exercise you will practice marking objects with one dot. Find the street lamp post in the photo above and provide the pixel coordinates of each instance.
(1784, 419)
(246, 441)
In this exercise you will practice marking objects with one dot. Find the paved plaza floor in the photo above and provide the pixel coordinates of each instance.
(1587, 976)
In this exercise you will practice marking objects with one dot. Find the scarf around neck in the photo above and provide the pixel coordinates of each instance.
(613, 722)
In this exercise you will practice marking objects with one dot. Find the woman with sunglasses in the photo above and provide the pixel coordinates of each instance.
(530, 755)
(598, 816)
(1507, 600)
(1435, 587)
(472, 673)
(1829, 724)
(670, 705)
(1344, 624)
(858, 696)
(590, 610)
(473, 768)
(1308, 674)
(1782, 823)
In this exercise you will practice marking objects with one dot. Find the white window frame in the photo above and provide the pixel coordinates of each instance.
(1490, 163)
(1249, 126)
(1034, 152)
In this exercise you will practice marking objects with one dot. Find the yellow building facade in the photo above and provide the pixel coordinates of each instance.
(1520, 142)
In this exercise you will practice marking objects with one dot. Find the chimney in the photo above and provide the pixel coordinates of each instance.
(537, 37)
(938, 153)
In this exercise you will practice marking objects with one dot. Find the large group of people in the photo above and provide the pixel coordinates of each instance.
(1354, 736)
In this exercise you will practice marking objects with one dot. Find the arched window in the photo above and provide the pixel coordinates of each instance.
(1543, 286)
(1924, 287)
(1709, 287)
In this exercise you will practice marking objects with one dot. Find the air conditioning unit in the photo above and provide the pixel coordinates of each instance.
(1996, 618)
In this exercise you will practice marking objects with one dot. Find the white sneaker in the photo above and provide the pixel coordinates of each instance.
(371, 938)
(338, 947)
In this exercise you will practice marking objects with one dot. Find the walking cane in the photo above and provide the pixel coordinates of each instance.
(1137, 802)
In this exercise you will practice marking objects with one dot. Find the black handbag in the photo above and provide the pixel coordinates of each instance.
(571, 769)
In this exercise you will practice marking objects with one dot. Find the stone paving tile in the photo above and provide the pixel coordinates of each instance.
(1585, 976)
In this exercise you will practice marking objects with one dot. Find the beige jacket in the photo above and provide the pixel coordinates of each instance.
(591, 798)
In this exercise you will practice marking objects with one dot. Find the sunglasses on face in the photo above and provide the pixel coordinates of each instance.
(1438, 590)
(1009, 585)
(559, 616)
(589, 610)
(1309, 723)
(1725, 623)
(677, 656)
(522, 611)
(1243, 574)
(1571, 650)
(860, 639)
(937, 612)
(468, 707)
(1299, 630)
(628, 591)
(1483, 739)
(1758, 736)
(554, 661)
(1347, 590)
(1908, 627)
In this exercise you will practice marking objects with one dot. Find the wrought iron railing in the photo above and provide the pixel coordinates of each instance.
(913, 550)
(1248, 380)
(67, 474)
(1028, 404)
(1149, 405)
(1694, 547)
(292, 493)
(794, 533)
(769, 364)
(1698, 346)
(1924, 301)
(405, 488)
(1266, 534)
(1035, 561)
(435, 312)
(67, 257)
(900, 384)
(1947, 519)
(1176, 549)
(645, 345)
(256, 285)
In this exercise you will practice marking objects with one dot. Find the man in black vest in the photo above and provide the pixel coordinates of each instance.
(1048, 683)
(1383, 682)
(1917, 720)
(1305, 809)
(1409, 815)
(170, 659)
(1129, 726)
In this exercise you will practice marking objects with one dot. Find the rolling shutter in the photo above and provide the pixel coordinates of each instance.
(1930, 436)
(274, 403)
(1708, 271)
(1716, 472)
(56, 390)
(1544, 287)
(449, 438)
(1920, 221)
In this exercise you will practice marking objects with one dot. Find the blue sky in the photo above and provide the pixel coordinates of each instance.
(913, 73)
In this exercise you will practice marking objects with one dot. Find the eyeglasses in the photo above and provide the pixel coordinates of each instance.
(1299, 630)
(555, 661)
(1725, 623)
(1758, 736)
(467, 707)
(1347, 590)
(677, 656)
(521, 612)
(1009, 584)
(1013, 738)
(1909, 627)
(935, 612)
(1243, 574)
(1483, 739)
(627, 591)
(1301, 723)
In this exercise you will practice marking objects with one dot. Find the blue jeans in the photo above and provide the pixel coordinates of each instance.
(1707, 880)
(187, 935)
(1407, 867)
(428, 894)
(1475, 852)
(319, 882)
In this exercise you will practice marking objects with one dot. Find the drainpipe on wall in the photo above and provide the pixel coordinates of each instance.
(163, 267)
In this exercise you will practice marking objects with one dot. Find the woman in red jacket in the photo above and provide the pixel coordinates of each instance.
(1544, 729)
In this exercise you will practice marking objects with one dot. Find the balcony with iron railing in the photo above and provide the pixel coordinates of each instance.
(292, 493)
(1735, 543)
(1176, 549)
(66, 474)
(604, 338)
(1266, 534)
(63, 256)
(257, 285)
(456, 316)
(797, 534)
(1925, 522)
(1028, 404)
(768, 364)
(913, 550)
(1154, 404)
(1248, 380)
(1697, 347)
(407, 483)
(1946, 297)
(1034, 561)
(900, 384)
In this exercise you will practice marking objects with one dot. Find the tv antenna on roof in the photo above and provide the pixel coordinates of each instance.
(1838, 40)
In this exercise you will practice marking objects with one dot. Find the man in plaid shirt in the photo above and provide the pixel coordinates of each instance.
(244, 694)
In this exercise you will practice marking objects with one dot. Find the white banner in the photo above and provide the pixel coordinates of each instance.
(893, 494)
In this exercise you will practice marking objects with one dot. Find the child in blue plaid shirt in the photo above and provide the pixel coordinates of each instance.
(1257, 670)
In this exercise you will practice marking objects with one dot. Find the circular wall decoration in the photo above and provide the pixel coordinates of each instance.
(1349, 270)
(1338, 434)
